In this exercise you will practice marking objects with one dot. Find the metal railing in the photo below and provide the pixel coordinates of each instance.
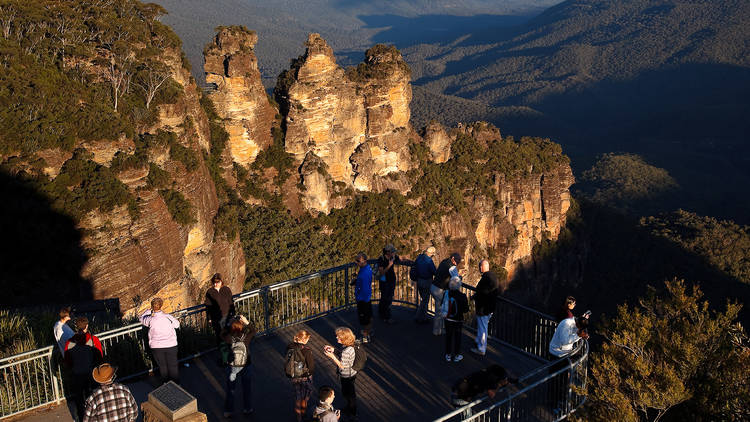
(34, 379)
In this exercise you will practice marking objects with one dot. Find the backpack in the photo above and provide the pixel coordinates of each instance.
(360, 357)
(238, 352)
(449, 308)
(296, 365)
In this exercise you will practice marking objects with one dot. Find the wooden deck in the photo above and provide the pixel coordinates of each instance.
(406, 377)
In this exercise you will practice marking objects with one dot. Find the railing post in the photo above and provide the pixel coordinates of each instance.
(346, 286)
(266, 313)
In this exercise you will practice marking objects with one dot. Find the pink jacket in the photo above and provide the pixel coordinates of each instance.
(161, 333)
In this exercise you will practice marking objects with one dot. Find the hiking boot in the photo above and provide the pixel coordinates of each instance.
(448, 358)
(458, 358)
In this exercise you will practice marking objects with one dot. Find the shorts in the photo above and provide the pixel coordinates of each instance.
(364, 311)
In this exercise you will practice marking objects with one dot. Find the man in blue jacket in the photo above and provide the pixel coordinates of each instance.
(363, 295)
(425, 268)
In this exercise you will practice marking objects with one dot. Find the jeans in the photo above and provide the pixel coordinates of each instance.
(244, 376)
(438, 323)
(350, 394)
(166, 360)
(453, 337)
(482, 322)
(386, 298)
(423, 287)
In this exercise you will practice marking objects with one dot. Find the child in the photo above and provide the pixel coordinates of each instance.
(325, 412)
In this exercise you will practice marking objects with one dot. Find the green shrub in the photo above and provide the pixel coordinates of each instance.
(180, 208)
(157, 178)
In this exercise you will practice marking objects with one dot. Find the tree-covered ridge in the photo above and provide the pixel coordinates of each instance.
(86, 70)
(724, 244)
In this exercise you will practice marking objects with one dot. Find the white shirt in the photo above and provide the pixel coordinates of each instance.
(566, 334)
(63, 333)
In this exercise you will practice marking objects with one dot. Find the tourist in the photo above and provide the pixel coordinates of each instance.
(455, 305)
(62, 330)
(485, 300)
(472, 387)
(566, 311)
(303, 366)
(236, 348)
(162, 339)
(111, 402)
(325, 412)
(219, 305)
(425, 271)
(363, 296)
(439, 285)
(82, 327)
(81, 357)
(344, 361)
(568, 331)
(387, 276)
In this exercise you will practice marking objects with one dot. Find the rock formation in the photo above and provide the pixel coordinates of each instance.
(356, 122)
(239, 98)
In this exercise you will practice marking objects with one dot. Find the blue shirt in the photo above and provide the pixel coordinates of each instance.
(425, 267)
(363, 285)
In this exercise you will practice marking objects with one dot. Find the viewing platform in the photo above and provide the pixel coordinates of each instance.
(406, 377)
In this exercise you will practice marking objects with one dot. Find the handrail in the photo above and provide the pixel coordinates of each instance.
(278, 305)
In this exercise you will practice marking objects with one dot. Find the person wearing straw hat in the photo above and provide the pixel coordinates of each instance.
(111, 402)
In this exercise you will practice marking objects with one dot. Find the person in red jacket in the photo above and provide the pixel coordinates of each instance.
(82, 327)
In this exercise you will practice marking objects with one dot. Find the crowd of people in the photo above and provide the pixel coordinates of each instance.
(98, 398)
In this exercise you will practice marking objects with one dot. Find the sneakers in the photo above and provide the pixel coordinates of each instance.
(477, 351)
(458, 358)
(448, 358)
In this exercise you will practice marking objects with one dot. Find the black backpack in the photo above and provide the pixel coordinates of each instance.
(296, 364)
(360, 357)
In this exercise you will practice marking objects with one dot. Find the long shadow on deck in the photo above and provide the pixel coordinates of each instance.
(406, 377)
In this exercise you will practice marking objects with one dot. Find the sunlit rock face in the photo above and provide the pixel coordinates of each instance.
(356, 123)
(239, 98)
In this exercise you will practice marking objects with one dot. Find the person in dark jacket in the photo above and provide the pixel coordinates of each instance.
(455, 305)
(303, 384)
(238, 367)
(219, 305)
(387, 276)
(485, 298)
(439, 286)
(471, 387)
(425, 268)
(81, 357)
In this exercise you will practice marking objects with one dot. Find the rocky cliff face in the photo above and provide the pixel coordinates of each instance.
(136, 259)
(356, 123)
(239, 98)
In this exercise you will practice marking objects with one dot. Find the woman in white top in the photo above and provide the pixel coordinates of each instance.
(345, 361)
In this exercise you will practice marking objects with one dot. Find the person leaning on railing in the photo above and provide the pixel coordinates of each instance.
(472, 387)
(219, 305)
(568, 332)
(424, 267)
(439, 286)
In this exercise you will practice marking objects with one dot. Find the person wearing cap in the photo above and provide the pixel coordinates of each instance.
(219, 305)
(387, 276)
(111, 402)
(162, 339)
(440, 285)
(471, 387)
(425, 268)
(485, 300)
